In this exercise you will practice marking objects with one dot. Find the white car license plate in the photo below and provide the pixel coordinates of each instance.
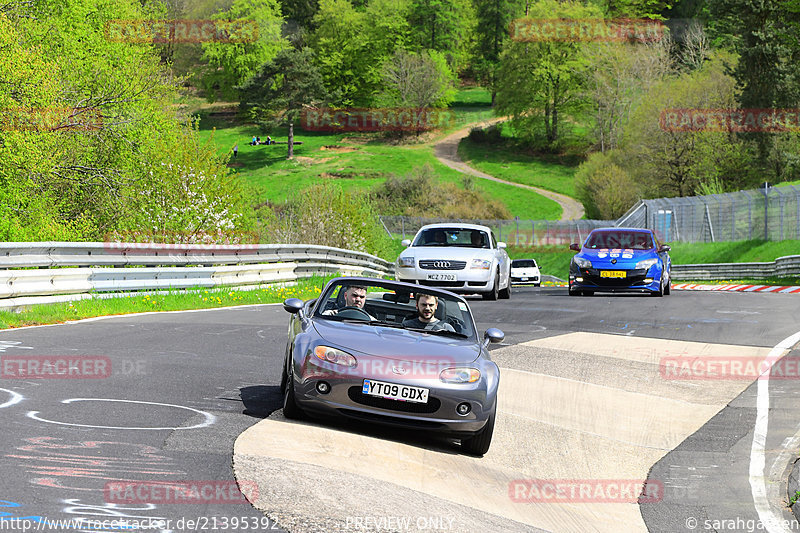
(442, 277)
(394, 391)
(523, 279)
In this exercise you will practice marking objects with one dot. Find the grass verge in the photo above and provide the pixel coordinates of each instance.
(171, 301)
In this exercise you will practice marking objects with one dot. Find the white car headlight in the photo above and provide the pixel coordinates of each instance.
(582, 263)
(646, 263)
(406, 262)
(482, 264)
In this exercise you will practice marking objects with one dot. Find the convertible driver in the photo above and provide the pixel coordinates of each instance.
(425, 319)
(354, 296)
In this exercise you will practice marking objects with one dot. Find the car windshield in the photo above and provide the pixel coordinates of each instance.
(633, 240)
(386, 304)
(467, 238)
(523, 263)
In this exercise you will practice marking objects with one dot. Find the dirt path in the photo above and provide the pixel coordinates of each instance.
(446, 151)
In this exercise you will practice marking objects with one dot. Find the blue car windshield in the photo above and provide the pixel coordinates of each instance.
(632, 240)
(382, 303)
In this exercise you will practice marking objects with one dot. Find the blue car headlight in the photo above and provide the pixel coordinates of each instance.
(646, 263)
(581, 262)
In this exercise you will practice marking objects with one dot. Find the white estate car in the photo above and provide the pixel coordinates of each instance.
(525, 271)
(463, 258)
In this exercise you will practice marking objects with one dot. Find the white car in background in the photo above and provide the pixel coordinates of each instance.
(525, 272)
(462, 258)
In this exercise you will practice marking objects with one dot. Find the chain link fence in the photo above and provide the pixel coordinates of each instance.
(770, 213)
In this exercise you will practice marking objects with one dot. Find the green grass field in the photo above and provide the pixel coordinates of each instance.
(508, 162)
(355, 161)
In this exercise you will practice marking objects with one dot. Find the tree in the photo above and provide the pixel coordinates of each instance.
(443, 25)
(491, 33)
(419, 80)
(352, 45)
(673, 161)
(537, 81)
(229, 64)
(282, 87)
(765, 37)
(619, 73)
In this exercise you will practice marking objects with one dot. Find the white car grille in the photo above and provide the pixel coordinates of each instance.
(442, 264)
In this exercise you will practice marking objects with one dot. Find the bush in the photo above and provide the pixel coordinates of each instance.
(606, 190)
(329, 216)
(490, 135)
(420, 194)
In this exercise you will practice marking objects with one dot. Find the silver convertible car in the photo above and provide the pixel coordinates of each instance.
(392, 353)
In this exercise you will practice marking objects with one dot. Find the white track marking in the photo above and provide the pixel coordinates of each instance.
(209, 418)
(769, 517)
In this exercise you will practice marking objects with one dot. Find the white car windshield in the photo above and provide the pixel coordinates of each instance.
(467, 238)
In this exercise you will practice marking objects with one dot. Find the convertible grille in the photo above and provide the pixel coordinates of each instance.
(442, 264)
(356, 395)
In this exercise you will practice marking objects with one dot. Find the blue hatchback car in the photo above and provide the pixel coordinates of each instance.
(620, 260)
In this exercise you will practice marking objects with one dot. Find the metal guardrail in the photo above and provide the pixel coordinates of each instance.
(37, 272)
(783, 267)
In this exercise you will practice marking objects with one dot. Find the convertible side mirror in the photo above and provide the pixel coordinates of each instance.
(293, 305)
(575, 247)
(665, 248)
(406, 242)
(493, 335)
(501, 244)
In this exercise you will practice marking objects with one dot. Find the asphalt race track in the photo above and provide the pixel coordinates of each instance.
(600, 427)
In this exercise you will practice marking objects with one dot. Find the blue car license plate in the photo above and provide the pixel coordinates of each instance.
(394, 391)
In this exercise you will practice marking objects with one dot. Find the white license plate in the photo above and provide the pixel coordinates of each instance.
(442, 277)
(394, 391)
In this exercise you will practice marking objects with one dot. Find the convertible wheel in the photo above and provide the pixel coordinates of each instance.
(492, 295)
(573, 292)
(479, 443)
(667, 287)
(291, 410)
(284, 379)
(505, 294)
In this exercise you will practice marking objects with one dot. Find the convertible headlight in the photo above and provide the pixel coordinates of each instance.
(406, 262)
(332, 355)
(582, 263)
(483, 264)
(646, 263)
(460, 375)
